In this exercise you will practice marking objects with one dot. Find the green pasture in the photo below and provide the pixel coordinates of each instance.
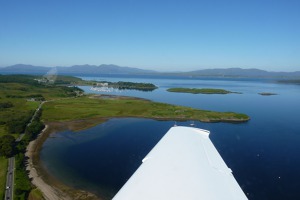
(87, 107)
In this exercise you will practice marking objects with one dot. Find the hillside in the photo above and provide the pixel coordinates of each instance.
(73, 70)
(82, 70)
(239, 72)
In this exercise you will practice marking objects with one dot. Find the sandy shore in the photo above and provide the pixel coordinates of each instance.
(51, 188)
(49, 192)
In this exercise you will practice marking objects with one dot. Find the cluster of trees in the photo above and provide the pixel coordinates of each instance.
(23, 185)
(19, 79)
(7, 142)
(33, 80)
(7, 145)
(72, 91)
(7, 104)
(17, 124)
(35, 127)
(14, 96)
(36, 97)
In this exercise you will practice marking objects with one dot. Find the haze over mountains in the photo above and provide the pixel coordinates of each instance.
(74, 70)
(115, 69)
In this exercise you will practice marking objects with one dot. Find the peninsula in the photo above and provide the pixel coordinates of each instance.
(107, 106)
(121, 85)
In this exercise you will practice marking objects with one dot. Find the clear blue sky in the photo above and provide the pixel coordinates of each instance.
(152, 34)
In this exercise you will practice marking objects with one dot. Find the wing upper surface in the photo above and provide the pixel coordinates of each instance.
(183, 165)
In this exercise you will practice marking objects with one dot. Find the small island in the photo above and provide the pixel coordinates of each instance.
(267, 93)
(201, 91)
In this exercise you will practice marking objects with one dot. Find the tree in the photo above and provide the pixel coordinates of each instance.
(7, 144)
(18, 124)
(34, 129)
(7, 104)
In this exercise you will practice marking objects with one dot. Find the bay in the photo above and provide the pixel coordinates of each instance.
(262, 153)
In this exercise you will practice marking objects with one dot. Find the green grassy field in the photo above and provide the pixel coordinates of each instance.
(200, 90)
(20, 93)
(3, 170)
(87, 107)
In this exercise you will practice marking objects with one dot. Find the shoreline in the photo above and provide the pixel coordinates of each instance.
(50, 187)
(49, 192)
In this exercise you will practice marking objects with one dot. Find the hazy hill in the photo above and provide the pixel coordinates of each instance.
(243, 73)
(101, 69)
(239, 72)
(73, 70)
(232, 72)
(114, 69)
(24, 69)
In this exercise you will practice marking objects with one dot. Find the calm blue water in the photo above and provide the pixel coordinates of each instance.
(263, 153)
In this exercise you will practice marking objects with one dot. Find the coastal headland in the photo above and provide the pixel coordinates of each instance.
(108, 106)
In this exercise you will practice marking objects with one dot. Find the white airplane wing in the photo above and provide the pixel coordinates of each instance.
(183, 165)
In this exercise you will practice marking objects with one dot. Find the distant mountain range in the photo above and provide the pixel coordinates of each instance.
(114, 69)
(239, 72)
(73, 70)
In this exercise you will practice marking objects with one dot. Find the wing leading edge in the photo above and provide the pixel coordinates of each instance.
(183, 165)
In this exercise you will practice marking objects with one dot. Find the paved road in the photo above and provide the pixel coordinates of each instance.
(11, 163)
(35, 113)
(10, 179)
